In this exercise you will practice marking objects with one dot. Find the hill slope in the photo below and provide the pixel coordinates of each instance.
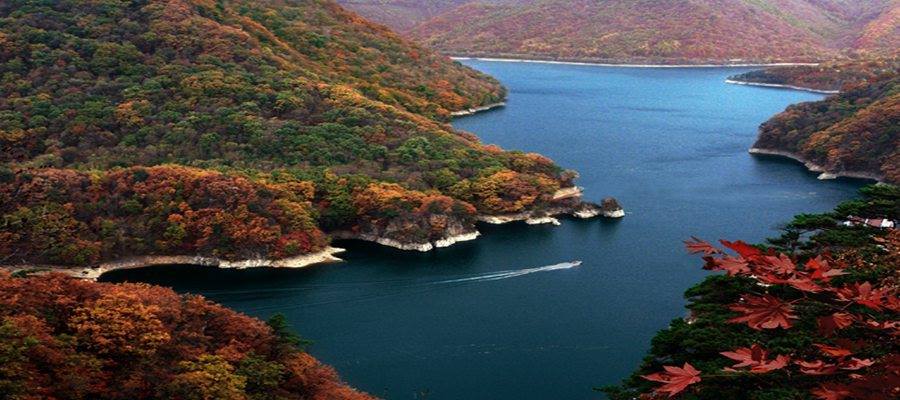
(829, 76)
(401, 14)
(62, 338)
(303, 115)
(664, 31)
(854, 133)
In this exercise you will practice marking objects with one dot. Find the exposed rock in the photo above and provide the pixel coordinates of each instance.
(476, 110)
(567, 193)
(415, 234)
(411, 246)
(450, 241)
(611, 208)
(566, 201)
(543, 221)
(587, 210)
(93, 272)
(813, 167)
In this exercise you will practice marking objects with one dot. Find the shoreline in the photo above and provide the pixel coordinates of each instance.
(824, 174)
(96, 271)
(780, 86)
(420, 247)
(629, 65)
(476, 110)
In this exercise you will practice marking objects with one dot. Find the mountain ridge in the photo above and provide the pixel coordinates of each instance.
(668, 31)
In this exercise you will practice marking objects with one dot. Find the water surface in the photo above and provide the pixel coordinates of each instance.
(670, 144)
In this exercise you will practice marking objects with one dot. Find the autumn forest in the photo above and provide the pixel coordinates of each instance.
(255, 132)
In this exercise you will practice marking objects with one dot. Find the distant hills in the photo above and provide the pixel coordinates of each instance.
(646, 30)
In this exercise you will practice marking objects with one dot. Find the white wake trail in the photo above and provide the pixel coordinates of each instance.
(495, 276)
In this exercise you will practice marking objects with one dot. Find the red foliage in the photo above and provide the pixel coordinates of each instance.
(675, 379)
(67, 217)
(789, 289)
(756, 358)
(764, 312)
(76, 339)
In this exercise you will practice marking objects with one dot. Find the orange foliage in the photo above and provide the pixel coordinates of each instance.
(66, 338)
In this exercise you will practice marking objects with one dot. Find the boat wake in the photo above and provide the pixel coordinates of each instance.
(338, 291)
(500, 275)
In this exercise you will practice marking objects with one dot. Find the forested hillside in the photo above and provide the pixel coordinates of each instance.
(296, 111)
(812, 314)
(856, 132)
(401, 14)
(62, 338)
(828, 76)
(665, 31)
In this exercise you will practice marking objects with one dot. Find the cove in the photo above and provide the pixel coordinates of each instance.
(510, 316)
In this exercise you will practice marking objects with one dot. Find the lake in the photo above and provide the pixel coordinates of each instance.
(502, 317)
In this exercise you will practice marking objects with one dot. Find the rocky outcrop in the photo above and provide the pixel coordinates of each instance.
(441, 230)
(93, 272)
(587, 211)
(566, 201)
(414, 234)
(610, 208)
(546, 220)
(413, 245)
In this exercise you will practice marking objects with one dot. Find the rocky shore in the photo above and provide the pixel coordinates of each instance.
(626, 63)
(566, 202)
(609, 208)
(824, 173)
(93, 272)
(776, 85)
(476, 110)
(410, 246)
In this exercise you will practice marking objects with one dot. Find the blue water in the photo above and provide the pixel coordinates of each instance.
(460, 323)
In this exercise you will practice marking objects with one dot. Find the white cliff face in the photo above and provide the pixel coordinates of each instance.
(450, 241)
(503, 219)
(94, 272)
(543, 221)
(587, 213)
(422, 247)
(620, 213)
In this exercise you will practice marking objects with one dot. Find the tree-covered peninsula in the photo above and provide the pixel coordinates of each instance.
(237, 129)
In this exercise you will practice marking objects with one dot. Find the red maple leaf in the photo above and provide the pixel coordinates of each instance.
(834, 322)
(833, 351)
(731, 265)
(696, 245)
(782, 265)
(821, 269)
(892, 303)
(831, 391)
(745, 250)
(675, 379)
(817, 367)
(863, 294)
(885, 325)
(764, 312)
(756, 358)
(855, 364)
(804, 284)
